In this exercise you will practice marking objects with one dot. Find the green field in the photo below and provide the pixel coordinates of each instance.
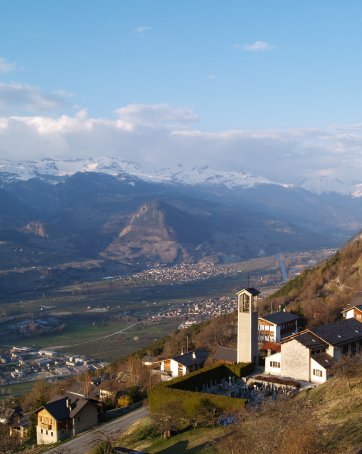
(86, 330)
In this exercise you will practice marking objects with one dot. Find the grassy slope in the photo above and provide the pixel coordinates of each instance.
(338, 413)
(334, 408)
(195, 441)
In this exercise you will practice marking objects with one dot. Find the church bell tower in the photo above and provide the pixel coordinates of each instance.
(247, 342)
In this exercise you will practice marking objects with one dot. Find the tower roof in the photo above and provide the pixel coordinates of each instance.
(253, 291)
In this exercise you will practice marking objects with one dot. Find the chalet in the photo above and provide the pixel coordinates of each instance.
(353, 312)
(65, 417)
(185, 363)
(310, 354)
(277, 326)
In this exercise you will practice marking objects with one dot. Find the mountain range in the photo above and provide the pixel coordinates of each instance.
(54, 211)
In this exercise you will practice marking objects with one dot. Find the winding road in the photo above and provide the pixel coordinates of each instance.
(85, 442)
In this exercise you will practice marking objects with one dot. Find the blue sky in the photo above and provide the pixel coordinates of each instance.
(289, 71)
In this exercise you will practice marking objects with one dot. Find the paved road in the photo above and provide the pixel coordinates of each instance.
(85, 442)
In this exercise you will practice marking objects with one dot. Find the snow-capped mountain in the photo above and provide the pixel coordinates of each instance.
(207, 176)
(53, 169)
(25, 170)
(326, 184)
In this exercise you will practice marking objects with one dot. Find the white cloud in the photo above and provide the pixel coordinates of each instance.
(6, 67)
(155, 116)
(159, 135)
(257, 46)
(18, 97)
(142, 30)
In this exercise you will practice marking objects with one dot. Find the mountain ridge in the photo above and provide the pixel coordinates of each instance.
(55, 170)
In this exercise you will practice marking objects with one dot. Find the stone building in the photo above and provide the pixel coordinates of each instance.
(310, 354)
(64, 417)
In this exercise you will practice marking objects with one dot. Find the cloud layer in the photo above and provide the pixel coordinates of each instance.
(160, 135)
(18, 97)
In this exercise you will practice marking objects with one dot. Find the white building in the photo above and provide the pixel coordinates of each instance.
(185, 363)
(353, 312)
(277, 326)
(310, 354)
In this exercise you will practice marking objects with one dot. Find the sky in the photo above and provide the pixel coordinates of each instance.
(271, 87)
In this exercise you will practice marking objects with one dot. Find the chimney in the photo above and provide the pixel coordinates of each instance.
(68, 403)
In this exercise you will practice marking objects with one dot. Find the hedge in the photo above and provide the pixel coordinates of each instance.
(181, 390)
(202, 376)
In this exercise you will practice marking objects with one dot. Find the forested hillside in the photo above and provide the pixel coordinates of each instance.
(320, 293)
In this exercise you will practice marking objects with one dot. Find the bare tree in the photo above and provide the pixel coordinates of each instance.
(348, 368)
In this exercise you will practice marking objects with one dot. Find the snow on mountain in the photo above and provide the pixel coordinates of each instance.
(24, 170)
(205, 175)
(55, 169)
(323, 184)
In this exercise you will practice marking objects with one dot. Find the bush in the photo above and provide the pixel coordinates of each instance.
(124, 401)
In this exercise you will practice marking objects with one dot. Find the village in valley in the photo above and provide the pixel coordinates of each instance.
(275, 357)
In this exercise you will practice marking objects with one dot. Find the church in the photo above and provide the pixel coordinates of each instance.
(304, 356)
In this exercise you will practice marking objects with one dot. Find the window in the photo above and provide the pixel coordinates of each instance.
(275, 364)
(41, 430)
(51, 433)
(317, 373)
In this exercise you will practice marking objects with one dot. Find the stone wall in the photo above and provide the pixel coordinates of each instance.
(295, 360)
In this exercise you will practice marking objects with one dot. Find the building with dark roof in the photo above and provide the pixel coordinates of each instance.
(353, 311)
(185, 363)
(276, 326)
(225, 355)
(64, 417)
(310, 354)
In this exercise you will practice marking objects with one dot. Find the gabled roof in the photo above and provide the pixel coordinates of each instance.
(59, 409)
(278, 318)
(192, 358)
(83, 390)
(324, 360)
(253, 291)
(357, 306)
(309, 340)
(340, 332)
(225, 354)
(272, 346)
